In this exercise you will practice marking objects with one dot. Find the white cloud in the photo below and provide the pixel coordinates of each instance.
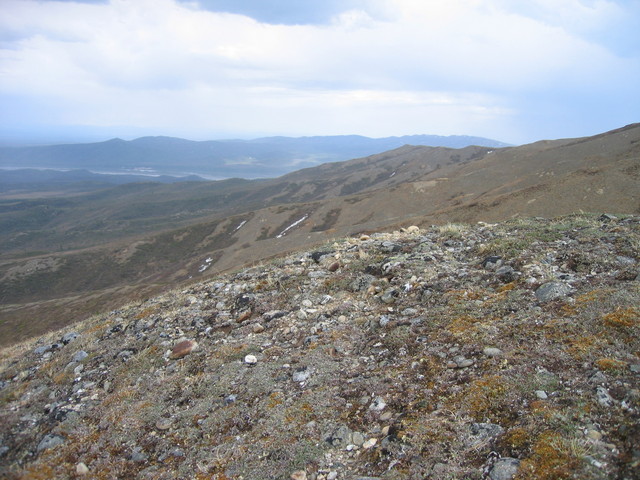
(390, 67)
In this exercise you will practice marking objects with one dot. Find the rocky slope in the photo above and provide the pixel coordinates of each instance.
(463, 351)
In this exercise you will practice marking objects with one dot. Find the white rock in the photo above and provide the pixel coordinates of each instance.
(369, 443)
(250, 360)
(82, 469)
(541, 394)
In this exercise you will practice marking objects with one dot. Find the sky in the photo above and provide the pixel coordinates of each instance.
(517, 71)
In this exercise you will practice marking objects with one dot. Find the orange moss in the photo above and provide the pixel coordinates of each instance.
(484, 396)
(622, 318)
(610, 364)
(461, 325)
(550, 460)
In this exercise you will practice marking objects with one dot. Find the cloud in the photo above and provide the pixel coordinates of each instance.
(377, 67)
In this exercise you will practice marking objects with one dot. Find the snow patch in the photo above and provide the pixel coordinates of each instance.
(240, 226)
(297, 222)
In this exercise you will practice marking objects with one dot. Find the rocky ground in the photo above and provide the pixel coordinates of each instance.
(456, 352)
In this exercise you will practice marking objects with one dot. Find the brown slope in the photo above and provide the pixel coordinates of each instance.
(420, 185)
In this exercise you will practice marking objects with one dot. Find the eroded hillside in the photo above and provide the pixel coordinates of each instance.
(463, 351)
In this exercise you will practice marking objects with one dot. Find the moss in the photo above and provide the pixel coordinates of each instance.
(552, 459)
(621, 318)
(611, 364)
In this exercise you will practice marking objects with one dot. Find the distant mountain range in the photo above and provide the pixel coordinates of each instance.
(258, 158)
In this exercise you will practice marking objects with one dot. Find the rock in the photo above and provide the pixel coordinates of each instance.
(49, 441)
(484, 433)
(370, 443)
(492, 262)
(412, 229)
(357, 439)
(334, 267)
(43, 349)
(603, 397)
(79, 356)
(182, 349)
(250, 359)
(552, 290)
(389, 296)
(492, 351)
(257, 328)
(594, 434)
(229, 399)
(541, 394)
(68, 337)
(81, 469)
(378, 404)
(138, 455)
(384, 320)
(163, 424)
(273, 314)
(459, 361)
(504, 469)
(332, 475)
(301, 375)
(506, 273)
(390, 247)
(299, 475)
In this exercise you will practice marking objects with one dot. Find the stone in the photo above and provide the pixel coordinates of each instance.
(299, 475)
(551, 291)
(603, 397)
(492, 262)
(79, 356)
(82, 469)
(413, 229)
(484, 433)
(541, 394)
(138, 455)
(182, 349)
(49, 441)
(334, 267)
(504, 469)
(594, 434)
(68, 337)
(378, 404)
(163, 424)
(492, 351)
(357, 439)
(250, 359)
(257, 328)
(301, 375)
(43, 349)
(370, 443)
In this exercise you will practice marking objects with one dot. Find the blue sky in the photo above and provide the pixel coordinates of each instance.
(515, 71)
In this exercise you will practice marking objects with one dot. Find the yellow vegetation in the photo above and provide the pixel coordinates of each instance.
(627, 317)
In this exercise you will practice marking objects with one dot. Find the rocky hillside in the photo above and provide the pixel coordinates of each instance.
(499, 351)
(62, 259)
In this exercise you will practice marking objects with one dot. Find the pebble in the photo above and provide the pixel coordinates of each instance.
(492, 351)
(250, 359)
(49, 441)
(594, 434)
(370, 443)
(504, 469)
(603, 397)
(299, 475)
(163, 424)
(551, 291)
(82, 469)
(79, 356)
(541, 394)
(301, 375)
(378, 404)
(257, 328)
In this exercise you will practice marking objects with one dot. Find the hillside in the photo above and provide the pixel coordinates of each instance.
(500, 351)
(66, 258)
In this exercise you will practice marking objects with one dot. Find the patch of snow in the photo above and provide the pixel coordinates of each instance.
(297, 222)
(392, 174)
(209, 260)
(240, 226)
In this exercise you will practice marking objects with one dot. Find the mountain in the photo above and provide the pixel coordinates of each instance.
(263, 157)
(496, 351)
(65, 257)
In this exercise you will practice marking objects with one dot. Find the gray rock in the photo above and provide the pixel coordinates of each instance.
(390, 247)
(492, 351)
(541, 394)
(340, 437)
(50, 441)
(603, 397)
(3, 450)
(552, 290)
(138, 455)
(362, 283)
(378, 404)
(389, 296)
(301, 375)
(79, 356)
(504, 469)
(482, 433)
(43, 349)
(68, 337)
